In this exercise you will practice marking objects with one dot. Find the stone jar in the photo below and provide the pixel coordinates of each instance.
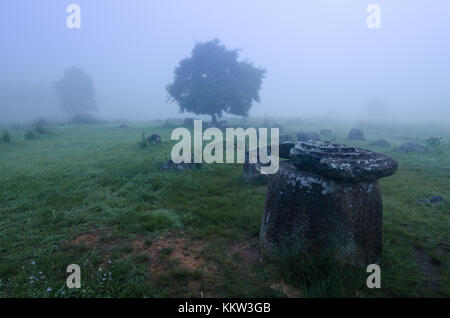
(326, 198)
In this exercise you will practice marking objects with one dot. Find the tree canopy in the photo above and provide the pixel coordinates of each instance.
(76, 91)
(212, 81)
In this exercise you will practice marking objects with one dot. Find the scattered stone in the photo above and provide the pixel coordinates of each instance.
(301, 136)
(380, 143)
(433, 200)
(326, 198)
(356, 134)
(411, 147)
(123, 126)
(436, 199)
(154, 139)
(170, 165)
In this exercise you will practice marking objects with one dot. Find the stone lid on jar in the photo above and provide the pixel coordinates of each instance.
(341, 162)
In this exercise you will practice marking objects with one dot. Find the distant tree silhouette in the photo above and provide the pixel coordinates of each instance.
(76, 91)
(212, 81)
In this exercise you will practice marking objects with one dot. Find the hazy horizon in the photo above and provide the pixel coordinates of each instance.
(322, 59)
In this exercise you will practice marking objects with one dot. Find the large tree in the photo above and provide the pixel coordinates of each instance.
(76, 91)
(212, 81)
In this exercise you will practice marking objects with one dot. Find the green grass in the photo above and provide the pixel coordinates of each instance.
(96, 179)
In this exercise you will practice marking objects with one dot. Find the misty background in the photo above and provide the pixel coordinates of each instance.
(321, 58)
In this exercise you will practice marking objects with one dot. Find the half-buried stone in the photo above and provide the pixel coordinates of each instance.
(326, 198)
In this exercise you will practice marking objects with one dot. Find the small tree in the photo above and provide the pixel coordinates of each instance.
(212, 81)
(76, 92)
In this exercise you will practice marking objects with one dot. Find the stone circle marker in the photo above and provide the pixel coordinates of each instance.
(326, 198)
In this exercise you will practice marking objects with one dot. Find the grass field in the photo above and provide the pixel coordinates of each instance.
(89, 195)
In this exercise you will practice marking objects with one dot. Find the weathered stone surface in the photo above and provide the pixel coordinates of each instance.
(309, 213)
(154, 139)
(380, 143)
(410, 147)
(301, 136)
(342, 162)
(356, 134)
(326, 198)
(285, 149)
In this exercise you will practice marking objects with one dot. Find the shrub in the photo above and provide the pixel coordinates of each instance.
(30, 135)
(40, 127)
(6, 137)
(143, 143)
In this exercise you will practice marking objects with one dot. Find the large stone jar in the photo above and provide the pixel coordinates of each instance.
(326, 198)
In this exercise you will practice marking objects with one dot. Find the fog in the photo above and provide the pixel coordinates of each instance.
(321, 58)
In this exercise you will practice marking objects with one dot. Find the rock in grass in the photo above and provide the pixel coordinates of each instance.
(433, 200)
(154, 139)
(170, 165)
(411, 147)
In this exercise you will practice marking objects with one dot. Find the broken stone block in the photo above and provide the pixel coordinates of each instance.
(326, 198)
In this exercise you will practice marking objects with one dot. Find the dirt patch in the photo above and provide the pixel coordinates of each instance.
(248, 252)
(88, 239)
(431, 284)
(179, 249)
(289, 291)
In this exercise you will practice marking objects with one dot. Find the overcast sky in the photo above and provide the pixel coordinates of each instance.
(321, 58)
